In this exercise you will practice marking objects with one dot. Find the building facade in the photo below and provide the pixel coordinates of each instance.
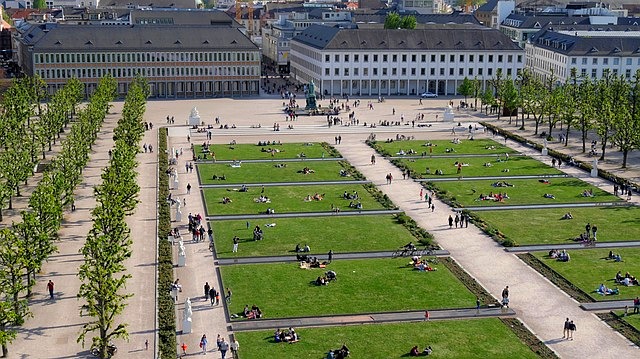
(401, 62)
(590, 50)
(179, 61)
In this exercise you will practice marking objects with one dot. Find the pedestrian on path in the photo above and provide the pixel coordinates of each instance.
(565, 332)
(184, 202)
(184, 348)
(594, 230)
(236, 241)
(456, 220)
(426, 315)
(477, 305)
(219, 341)
(207, 288)
(466, 221)
(330, 255)
(212, 295)
(636, 305)
(428, 199)
(373, 160)
(146, 344)
(433, 207)
(421, 194)
(572, 329)
(224, 346)
(50, 288)
(505, 297)
(339, 139)
(234, 348)
(188, 188)
(450, 222)
(203, 343)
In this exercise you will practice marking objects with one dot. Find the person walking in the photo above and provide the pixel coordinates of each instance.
(184, 348)
(207, 288)
(594, 230)
(330, 255)
(426, 315)
(234, 346)
(228, 297)
(429, 200)
(219, 341)
(188, 188)
(236, 241)
(466, 221)
(224, 346)
(450, 222)
(50, 288)
(212, 295)
(373, 159)
(456, 220)
(203, 343)
(505, 297)
(572, 329)
(421, 194)
(565, 331)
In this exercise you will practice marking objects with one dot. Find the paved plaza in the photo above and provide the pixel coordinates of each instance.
(55, 325)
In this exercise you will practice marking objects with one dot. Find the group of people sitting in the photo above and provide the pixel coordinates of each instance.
(286, 336)
(236, 164)
(562, 256)
(315, 197)
(456, 141)
(587, 193)
(270, 150)
(616, 257)
(415, 352)
(344, 173)
(449, 150)
(496, 197)
(549, 195)
(270, 211)
(355, 205)
(339, 353)
(421, 265)
(603, 290)
(304, 249)
(437, 172)
(329, 276)
(219, 178)
(487, 164)
(253, 313)
(262, 199)
(280, 165)
(306, 171)
(460, 164)
(269, 143)
(347, 195)
(567, 215)
(626, 280)
(226, 200)
(243, 188)
(411, 151)
(258, 234)
(502, 184)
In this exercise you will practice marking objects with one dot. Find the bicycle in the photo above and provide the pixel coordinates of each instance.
(111, 351)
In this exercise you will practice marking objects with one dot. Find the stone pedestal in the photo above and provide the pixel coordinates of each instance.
(175, 183)
(182, 256)
(171, 239)
(545, 152)
(186, 326)
(448, 115)
(178, 215)
(594, 168)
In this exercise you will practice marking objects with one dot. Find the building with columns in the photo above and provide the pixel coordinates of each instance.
(180, 57)
(376, 62)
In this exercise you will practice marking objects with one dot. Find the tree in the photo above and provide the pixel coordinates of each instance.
(408, 22)
(487, 99)
(466, 88)
(395, 21)
(586, 104)
(626, 121)
(604, 110)
(509, 98)
(476, 87)
(532, 98)
(570, 104)
(39, 4)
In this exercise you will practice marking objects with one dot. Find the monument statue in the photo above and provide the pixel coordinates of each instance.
(194, 117)
(311, 97)
(188, 312)
(448, 114)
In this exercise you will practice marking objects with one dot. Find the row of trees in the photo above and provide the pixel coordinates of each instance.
(108, 245)
(24, 246)
(26, 130)
(610, 106)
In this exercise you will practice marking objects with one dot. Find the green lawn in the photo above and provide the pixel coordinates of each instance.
(439, 147)
(544, 226)
(367, 285)
(632, 319)
(255, 152)
(525, 191)
(268, 172)
(340, 234)
(517, 166)
(588, 268)
(478, 338)
(285, 199)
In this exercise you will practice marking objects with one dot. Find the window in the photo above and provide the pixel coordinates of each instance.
(460, 71)
(627, 73)
(413, 58)
(355, 71)
(326, 58)
(509, 58)
(594, 73)
(375, 72)
(432, 72)
(422, 71)
(346, 72)
(605, 61)
(433, 58)
(461, 58)
(490, 72)
(616, 61)
(452, 58)
(404, 72)
(584, 60)
(366, 58)
(384, 58)
(413, 71)
(404, 58)
(394, 71)
(356, 58)
(508, 72)
(375, 58)
(326, 72)
(583, 72)
(441, 58)
(629, 62)
(490, 58)
(480, 71)
(337, 72)
(573, 61)
(595, 61)
(500, 58)
(471, 71)
(346, 58)
(519, 58)
(384, 72)
(394, 58)
(441, 72)
(365, 72)
(336, 58)
(451, 71)
(471, 58)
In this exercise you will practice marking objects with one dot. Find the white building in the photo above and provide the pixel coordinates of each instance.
(401, 62)
(589, 49)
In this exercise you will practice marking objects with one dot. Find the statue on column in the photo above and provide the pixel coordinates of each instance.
(311, 97)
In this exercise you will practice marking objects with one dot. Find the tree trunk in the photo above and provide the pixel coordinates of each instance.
(10, 202)
(537, 124)
(624, 158)
(566, 137)
(604, 147)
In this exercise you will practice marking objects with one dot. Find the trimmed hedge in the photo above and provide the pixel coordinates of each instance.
(331, 151)
(424, 237)
(166, 307)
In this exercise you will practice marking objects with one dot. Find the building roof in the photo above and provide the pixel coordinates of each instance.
(453, 18)
(64, 38)
(178, 4)
(489, 6)
(589, 40)
(434, 37)
(211, 17)
(529, 21)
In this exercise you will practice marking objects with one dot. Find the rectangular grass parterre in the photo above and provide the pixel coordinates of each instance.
(286, 199)
(439, 147)
(545, 226)
(368, 285)
(469, 339)
(226, 152)
(340, 234)
(524, 191)
(588, 268)
(475, 167)
(268, 172)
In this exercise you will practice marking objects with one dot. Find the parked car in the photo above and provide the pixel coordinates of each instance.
(428, 95)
